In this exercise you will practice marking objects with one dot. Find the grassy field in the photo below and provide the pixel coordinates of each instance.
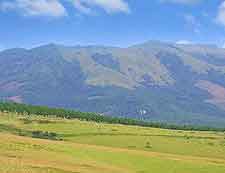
(88, 147)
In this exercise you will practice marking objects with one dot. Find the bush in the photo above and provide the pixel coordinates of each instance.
(44, 135)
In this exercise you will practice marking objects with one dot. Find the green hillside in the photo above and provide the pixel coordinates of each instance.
(50, 144)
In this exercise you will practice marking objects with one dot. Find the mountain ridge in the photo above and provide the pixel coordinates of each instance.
(156, 81)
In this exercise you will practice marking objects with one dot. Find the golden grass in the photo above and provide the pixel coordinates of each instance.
(88, 147)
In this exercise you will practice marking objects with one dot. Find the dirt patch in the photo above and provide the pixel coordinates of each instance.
(17, 99)
(215, 90)
(10, 86)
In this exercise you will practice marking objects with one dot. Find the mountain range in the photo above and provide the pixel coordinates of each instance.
(152, 81)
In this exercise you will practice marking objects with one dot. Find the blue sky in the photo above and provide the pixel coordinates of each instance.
(29, 23)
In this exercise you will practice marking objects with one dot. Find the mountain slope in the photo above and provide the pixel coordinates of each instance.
(151, 81)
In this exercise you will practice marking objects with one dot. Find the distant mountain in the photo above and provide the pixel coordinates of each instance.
(154, 81)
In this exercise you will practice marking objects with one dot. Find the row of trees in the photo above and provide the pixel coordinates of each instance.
(70, 114)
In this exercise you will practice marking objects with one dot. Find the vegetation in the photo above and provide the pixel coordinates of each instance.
(70, 114)
(90, 147)
(44, 135)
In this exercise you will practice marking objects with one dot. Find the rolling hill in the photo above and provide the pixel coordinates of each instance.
(153, 81)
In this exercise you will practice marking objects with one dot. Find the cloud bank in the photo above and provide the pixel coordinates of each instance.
(35, 7)
(55, 8)
(223, 46)
(221, 14)
(184, 42)
(184, 2)
(110, 6)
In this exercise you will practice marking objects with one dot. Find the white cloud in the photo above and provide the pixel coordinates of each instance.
(110, 6)
(221, 14)
(223, 46)
(184, 2)
(190, 19)
(1, 47)
(192, 23)
(184, 42)
(81, 7)
(55, 8)
(51, 8)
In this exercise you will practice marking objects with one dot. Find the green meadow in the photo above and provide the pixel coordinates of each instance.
(38, 144)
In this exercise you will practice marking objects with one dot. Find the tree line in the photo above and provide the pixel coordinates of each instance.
(86, 116)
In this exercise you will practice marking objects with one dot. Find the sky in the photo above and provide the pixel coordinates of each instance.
(30, 23)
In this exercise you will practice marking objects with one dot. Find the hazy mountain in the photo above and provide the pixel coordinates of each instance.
(152, 81)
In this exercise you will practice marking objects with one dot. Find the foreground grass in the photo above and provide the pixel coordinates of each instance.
(88, 147)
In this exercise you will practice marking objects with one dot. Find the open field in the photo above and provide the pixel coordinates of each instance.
(75, 146)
